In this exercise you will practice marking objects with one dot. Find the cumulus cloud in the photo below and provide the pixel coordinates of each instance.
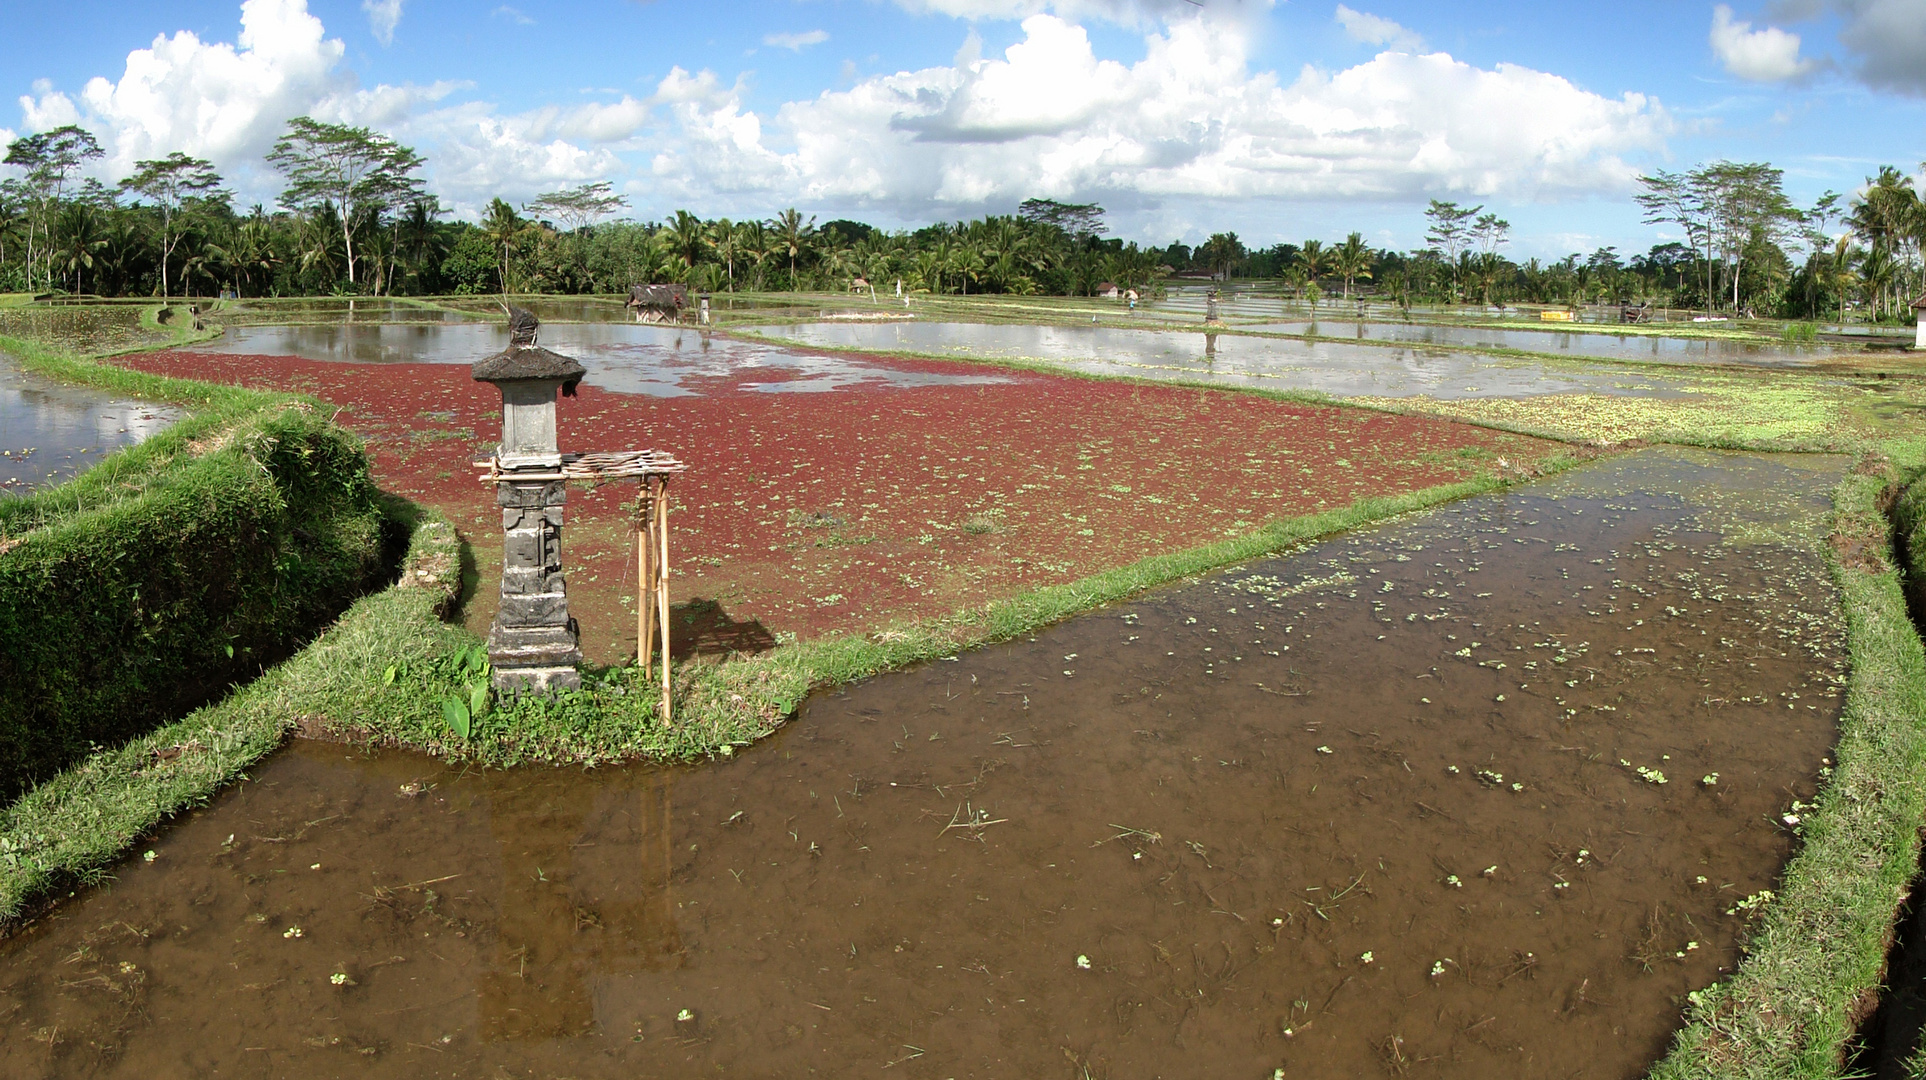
(1189, 120)
(1376, 30)
(383, 17)
(210, 99)
(1767, 54)
(1121, 12)
(228, 102)
(796, 42)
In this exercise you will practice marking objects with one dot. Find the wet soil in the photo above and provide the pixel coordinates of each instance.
(1425, 799)
(50, 431)
(1331, 367)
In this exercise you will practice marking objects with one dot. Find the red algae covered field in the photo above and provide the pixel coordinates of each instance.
(907, 489)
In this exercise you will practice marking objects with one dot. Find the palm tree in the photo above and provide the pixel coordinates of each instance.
(1352, 260)
(794, 235)
(1839, 272)
(502, 225)
(1315, 261)
(80, 238)
(723, 239)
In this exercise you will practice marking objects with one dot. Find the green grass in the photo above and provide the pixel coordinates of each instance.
(66, 831)
(1812, 971)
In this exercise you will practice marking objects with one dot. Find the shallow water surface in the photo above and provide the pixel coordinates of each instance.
(1477, 793)
(662, 361)
(1329, 367)
(50, 431)
(1642, 347)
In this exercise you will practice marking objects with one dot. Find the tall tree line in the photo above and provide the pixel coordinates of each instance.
(354, 218)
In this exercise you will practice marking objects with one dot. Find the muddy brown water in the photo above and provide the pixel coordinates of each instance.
(1159, 840)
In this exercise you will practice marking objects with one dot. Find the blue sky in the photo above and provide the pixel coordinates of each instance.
(1281, 121)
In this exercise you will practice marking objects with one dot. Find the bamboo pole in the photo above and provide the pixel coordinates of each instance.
(662, 593)
(644, 579)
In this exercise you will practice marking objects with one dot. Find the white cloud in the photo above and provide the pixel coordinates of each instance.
(1376, 30)
(1190, 125)
(1767, 54)
(383, 17)
(1122, 12)
(513, 15)
(1188, 121)
(210, 99)
(796, 42)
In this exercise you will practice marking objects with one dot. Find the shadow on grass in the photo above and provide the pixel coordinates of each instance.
(701, 627)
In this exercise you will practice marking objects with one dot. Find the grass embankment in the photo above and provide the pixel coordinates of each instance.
(66, 830)
(1811, 972)
(724, 704)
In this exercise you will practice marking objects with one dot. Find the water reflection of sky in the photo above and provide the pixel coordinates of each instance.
(50, 431)
(1337, 368)
(659, 361)
(1642, 347)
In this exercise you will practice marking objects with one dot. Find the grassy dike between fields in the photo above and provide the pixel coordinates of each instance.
(1812, 970)
(170, 571)
(383, 674)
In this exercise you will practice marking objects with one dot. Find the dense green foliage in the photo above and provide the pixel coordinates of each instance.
(354, 219)
(151, 583)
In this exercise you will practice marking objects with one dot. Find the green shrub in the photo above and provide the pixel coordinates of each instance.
(150, 584)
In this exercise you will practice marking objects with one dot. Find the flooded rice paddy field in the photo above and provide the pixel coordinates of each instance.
(1337, 368)
(1652, 348)
(659, 361)
(355, 310)
(50, 431)
(94, 328)
(1481, 792)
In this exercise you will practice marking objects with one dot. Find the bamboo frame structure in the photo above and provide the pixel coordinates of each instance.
(653, 469)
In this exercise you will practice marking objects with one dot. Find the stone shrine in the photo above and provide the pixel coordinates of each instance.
(534, 645)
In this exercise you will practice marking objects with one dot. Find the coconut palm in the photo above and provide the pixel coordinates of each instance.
(793, 235)
(1351, 261)
(79, 237)
(1316, 261)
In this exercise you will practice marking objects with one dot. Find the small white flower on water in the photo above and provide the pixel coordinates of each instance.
(1562, 885)
(1277, 922)
(1367, 958)
(1278, 1074)
(1700, 880)
(1325, 750)
(1517, 787)
(339, 978)
(1289, 1033)
(1437, 968)
(1452, 769)
(1691, 945)
(316, 866)
(684, 1016)
(1583, 854)
(1135, 855)
(1452, 880)
(1710, 779)
(1789, 819)
(1501, 697)
(291, 932)
(1083, 962)
(1489, 870)
(148, 856)
(1425, 700)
